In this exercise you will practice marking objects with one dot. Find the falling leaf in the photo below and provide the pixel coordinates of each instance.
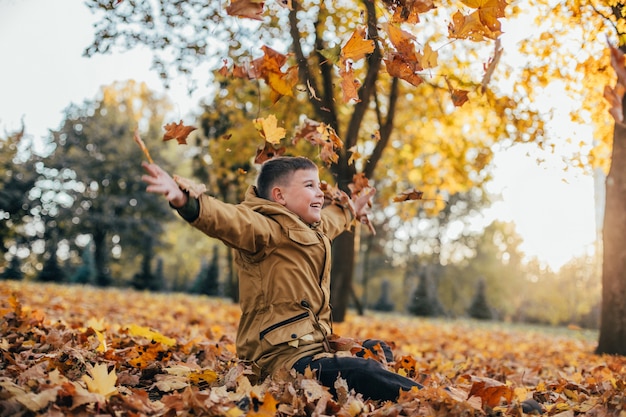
(142, 146)
(333, 54)
(320, 134)
(408, 11)
(488, 11)
(177, 131)
(408, 195)
(269, 130)
(398, 66)
(428, 58)
(354, 155)
(470, 27)
(250, 9)
(403, 41)
(267, 152)
(349, 85)
(459, 97)
(357, 46)
(615, 96)
(491, 66)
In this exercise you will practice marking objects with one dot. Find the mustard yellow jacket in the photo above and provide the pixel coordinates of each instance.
(284, 276)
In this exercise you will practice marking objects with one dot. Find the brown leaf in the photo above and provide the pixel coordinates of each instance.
(142, 146)
(268, 152)
(250, 9)
(408, 195)
(177, 131)
(491, 66)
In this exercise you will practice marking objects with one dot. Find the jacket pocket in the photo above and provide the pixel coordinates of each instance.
(304, 236)
(288, 330)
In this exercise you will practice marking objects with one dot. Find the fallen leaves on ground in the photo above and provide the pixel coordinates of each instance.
(79, 350)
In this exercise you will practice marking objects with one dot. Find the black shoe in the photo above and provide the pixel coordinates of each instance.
(531, 406)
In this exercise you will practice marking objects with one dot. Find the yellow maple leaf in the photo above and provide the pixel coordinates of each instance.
(100, 380)
(207, 376)
(428, 58)
(135, 330)
(269, 130)
(357, 46)
(488, 11)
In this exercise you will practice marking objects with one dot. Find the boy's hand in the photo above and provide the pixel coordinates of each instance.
(361, 205)
(160, 182)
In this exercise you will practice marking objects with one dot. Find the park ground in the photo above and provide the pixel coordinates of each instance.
(82, 350)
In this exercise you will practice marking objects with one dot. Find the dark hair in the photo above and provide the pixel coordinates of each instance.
(277, 170)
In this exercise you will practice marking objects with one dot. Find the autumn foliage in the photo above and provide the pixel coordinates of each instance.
(84, 351)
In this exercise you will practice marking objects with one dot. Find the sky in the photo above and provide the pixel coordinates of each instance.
(43, 71)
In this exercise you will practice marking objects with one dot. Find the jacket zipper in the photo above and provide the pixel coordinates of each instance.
(283, 323)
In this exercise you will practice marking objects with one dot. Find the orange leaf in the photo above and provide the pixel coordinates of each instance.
(403, 41)
(409, 11)
(357, 46)
(490, 391)
(459, 97)
(177, 131)
(464, 27)
(265, 408)
(349, 85)
(488, 11)
(398, 66)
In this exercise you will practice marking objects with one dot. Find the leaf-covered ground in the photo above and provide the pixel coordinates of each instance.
(74, 350)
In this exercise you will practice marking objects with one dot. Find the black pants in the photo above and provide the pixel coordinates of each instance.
(365, 376)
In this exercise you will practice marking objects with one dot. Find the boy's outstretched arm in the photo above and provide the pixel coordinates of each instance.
(160, 182)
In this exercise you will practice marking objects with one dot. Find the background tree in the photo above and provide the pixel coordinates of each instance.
(479, 307)
(314, 30)
(17, 177)
(86, 272)
(578, 66)
(94, 169)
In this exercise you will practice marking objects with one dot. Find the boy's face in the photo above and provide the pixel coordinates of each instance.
(302, 195)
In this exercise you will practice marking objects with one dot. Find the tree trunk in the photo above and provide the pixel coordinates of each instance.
(612, 338)
(103, 279)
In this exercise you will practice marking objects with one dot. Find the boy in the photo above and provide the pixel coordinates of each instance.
(282, 235)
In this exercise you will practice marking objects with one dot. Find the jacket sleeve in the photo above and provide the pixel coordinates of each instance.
(335, 220)
(235, 225)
